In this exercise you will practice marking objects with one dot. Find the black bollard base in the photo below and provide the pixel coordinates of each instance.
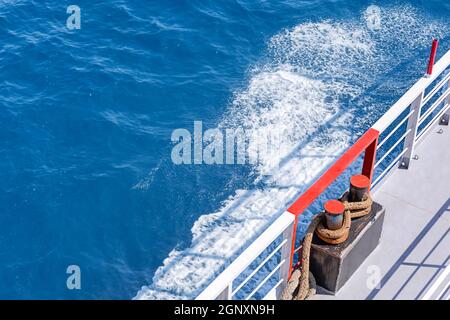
(333, 265)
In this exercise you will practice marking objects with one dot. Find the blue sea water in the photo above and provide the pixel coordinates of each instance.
(86, 118)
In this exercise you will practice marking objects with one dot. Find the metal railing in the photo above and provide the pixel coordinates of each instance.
(222, 286)
(367, 143)
(391, 128)
(422, 108)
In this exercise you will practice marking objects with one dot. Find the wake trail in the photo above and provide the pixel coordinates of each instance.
(310, 93)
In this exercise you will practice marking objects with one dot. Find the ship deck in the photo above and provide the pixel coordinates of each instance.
(412, 258)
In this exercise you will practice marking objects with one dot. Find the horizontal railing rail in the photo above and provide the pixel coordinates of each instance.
(222, 286)
(366, 143)
(407, 99)
(413, 102)
(418, 122)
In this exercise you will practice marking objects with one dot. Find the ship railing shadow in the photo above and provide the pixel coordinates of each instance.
(422, 264)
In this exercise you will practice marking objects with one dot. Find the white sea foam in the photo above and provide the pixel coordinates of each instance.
(315, 66)
(286, 104)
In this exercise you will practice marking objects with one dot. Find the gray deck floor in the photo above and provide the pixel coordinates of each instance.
(412, 260)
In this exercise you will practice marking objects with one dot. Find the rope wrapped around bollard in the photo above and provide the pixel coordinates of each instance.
(301, 285)
(352, 210)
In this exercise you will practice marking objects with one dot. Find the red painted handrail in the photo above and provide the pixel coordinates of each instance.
(368, 143)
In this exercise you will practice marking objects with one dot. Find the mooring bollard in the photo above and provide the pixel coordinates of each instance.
(334, 214)
(359, 185)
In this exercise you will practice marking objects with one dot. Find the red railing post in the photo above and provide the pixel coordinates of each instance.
(294, 239)
(432, 57)
(368, 143)
(369, 159)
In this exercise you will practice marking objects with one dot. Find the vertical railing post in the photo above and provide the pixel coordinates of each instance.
(432, 57)
(369, 159)
(446, 116)
(285, 270)
(410, 138)
(293, 240)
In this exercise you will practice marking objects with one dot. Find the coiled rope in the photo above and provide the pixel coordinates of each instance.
(301, 285)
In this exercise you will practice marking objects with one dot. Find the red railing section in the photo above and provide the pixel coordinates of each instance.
(432, 57)
(366, 143)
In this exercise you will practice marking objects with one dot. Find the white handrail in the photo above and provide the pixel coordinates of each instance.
(224, 281)
(414, 99)
(420, 86)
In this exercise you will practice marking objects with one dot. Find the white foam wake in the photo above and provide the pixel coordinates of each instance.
(317, 70)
